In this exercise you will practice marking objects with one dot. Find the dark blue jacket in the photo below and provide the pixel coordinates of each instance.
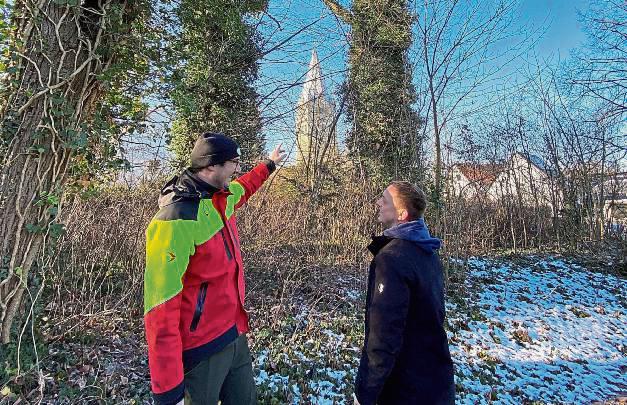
(405, 358)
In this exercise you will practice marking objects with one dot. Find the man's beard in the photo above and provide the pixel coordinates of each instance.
(386, 224)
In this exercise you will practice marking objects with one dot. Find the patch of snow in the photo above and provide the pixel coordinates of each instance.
(352, 294)
(326, 392)
(551, 332)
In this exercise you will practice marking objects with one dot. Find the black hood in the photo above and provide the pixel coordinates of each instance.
(186, 186)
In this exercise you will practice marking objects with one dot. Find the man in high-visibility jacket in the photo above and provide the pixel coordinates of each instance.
(194, 281)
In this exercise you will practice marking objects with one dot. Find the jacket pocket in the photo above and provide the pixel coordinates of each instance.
(226, 245)
(200, 303)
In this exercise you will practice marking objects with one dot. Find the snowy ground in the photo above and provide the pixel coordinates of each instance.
(538, 330)
(525, 330)
(545, 331)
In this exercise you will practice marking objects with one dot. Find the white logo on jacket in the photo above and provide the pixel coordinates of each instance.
(381, 288)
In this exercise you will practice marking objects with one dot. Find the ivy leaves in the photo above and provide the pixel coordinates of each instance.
(71, 3)
(214, 70)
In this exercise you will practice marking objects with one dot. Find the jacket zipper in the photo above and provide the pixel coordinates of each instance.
(237, 268)
(234, 238)
(200, 303)
(226, 245)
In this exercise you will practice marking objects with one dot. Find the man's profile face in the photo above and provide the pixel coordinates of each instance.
(388, 215)
(223, 173)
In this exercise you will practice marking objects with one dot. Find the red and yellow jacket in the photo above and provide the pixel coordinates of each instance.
(194, 281)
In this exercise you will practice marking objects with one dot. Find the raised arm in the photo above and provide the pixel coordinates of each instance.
(245, 186)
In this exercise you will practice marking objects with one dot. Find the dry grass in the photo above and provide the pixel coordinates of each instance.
(294, 244)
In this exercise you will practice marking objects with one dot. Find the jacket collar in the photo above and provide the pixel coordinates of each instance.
(415, 232)
(378, 243)
(186, 186)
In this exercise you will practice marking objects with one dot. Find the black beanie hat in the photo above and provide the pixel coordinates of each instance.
(212, 149)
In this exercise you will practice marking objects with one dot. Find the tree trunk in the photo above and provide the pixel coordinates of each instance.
(438, 154)
(54, 93)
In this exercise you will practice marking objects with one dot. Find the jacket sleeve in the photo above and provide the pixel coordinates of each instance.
(169, 244)
(245, 186)
(389, 304)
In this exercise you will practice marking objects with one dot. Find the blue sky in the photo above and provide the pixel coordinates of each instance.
(563, 31)
(554, 24)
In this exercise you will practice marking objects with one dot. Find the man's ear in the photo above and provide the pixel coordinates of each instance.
(403, 215)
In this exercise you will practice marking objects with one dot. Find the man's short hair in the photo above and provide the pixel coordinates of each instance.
(413, 199)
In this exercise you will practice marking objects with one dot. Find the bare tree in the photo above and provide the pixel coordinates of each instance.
(602, 68)
(584, 145)
(457, 54)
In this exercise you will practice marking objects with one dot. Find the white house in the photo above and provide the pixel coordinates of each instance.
(615, 203)
(472, 180)
(523, 178)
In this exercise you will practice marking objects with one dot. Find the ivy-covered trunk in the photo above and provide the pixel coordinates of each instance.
(214, 64)
(58, 53)
(384, 135)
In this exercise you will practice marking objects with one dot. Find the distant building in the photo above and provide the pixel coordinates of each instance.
(472, 180)
(316, 138)
(615, 199)
(524, 178)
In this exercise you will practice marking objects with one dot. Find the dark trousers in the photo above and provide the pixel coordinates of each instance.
(226, 376)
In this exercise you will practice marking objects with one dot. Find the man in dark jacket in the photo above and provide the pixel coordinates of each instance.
(194, 281)
(405, 358)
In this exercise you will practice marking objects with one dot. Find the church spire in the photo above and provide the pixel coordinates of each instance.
(313, 87)
(315, 132)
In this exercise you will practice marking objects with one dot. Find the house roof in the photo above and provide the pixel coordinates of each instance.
(483, 174)
(536, 161)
